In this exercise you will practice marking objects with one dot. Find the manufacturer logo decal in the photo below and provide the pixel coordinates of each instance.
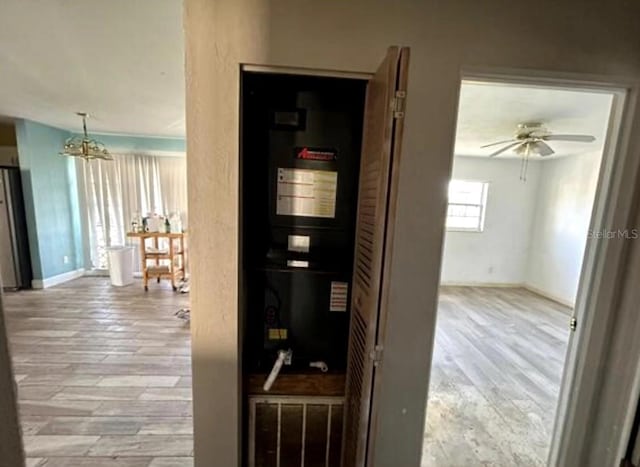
(316, 154)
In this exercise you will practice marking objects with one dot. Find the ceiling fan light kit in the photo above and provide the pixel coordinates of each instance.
(530, 138)
(85, 147)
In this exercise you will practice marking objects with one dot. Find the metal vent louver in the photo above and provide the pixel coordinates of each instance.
(288, 431)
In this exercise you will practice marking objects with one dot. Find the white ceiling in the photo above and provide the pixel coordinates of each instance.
(122, 61)
(490, 112)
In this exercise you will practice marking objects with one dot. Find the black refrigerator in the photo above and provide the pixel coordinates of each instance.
(15, 261)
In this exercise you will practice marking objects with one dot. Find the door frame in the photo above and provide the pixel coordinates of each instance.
(602, 277)
(303, 71)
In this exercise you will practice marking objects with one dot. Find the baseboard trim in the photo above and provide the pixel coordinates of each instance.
(525, 286)
(56, 280)
(481, 284)
(97, 273)
(105, 273)
(549, 296)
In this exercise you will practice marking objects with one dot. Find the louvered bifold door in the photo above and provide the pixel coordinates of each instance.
(382, 129)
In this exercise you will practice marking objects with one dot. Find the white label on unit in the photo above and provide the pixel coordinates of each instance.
(307, 193)
(299, 243)
(339, 293)
(295, 263)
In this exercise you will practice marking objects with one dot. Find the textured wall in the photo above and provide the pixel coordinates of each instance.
(49, 189)
(570, 36)
(498, 254)
(563, 215)
(219, 36)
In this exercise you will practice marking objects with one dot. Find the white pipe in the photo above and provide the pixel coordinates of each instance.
(322, 366)
(277, 366)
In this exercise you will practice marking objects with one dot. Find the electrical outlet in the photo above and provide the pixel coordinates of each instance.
(65, 259)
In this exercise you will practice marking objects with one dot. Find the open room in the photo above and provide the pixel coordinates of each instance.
(525, 174)
(94, 233)
(284, 233)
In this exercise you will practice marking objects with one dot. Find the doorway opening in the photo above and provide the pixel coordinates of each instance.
(530, 162)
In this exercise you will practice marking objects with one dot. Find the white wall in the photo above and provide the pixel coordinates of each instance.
(563, 214)
(535, 232)
(498, 254)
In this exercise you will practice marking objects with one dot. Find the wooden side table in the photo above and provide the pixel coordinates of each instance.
(151, 256)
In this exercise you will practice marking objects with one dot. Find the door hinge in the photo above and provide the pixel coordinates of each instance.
(398, 104)
(573, 324)
(376, 355)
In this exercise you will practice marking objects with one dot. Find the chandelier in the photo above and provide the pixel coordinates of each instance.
(84, 147)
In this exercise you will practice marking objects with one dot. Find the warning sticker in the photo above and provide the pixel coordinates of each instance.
(307, 193)
(277, 334)
(299, 243)
(339, 293)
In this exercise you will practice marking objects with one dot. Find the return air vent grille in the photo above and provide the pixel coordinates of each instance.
(295, 431)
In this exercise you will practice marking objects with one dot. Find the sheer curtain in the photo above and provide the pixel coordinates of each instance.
(115, 190)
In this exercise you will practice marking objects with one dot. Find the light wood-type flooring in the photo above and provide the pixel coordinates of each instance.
(498, 360)
(103, 375)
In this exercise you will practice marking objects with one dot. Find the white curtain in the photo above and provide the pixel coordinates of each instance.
(132, 183)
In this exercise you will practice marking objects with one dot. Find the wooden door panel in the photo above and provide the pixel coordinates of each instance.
(381, 138)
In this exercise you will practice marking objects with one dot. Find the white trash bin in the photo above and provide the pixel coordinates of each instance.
(121, 265)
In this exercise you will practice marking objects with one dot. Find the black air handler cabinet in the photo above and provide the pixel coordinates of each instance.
(300, 160)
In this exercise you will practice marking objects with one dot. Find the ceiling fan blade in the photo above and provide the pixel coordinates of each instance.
(506, 148)
(543, 149)
(574, 138)
(499, 142)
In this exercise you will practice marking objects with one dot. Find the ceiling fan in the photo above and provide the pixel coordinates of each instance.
(531, 138)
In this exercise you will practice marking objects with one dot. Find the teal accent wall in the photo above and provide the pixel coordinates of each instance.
(51, 200)
(51, 194)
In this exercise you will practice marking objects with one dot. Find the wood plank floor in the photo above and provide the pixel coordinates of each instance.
(103, 375)
(497, 365)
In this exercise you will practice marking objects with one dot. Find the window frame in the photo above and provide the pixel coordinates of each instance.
(482, 206)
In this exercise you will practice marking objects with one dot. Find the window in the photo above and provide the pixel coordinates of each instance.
(467, 201)
(115, 190)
